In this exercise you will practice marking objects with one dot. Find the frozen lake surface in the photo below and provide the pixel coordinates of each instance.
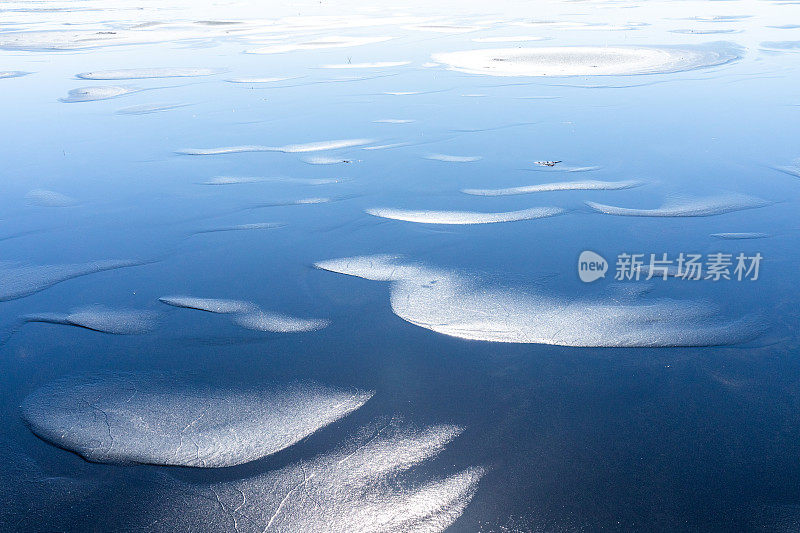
(455, 266)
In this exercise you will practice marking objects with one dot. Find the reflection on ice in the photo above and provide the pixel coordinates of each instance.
(211, 305)
(454, 158)
(244, 227)
(326, 160)
(85, 39)
(335, 78)
(247, 314)
(233, 180)
(587, 60)
(739, 236)
(560, 168)
(386, 146)
(464, 217)
(792, 170)
(781, 45)
(289, 148)
(587, 185)
(277, 323)
(454, 304)
(166, 419)
(45, 198)
(146, 109)
(102, 319)
(142, 73)
(307, 201)
(90, 94)
(12, 74)
(699, 207)
(365, 487)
